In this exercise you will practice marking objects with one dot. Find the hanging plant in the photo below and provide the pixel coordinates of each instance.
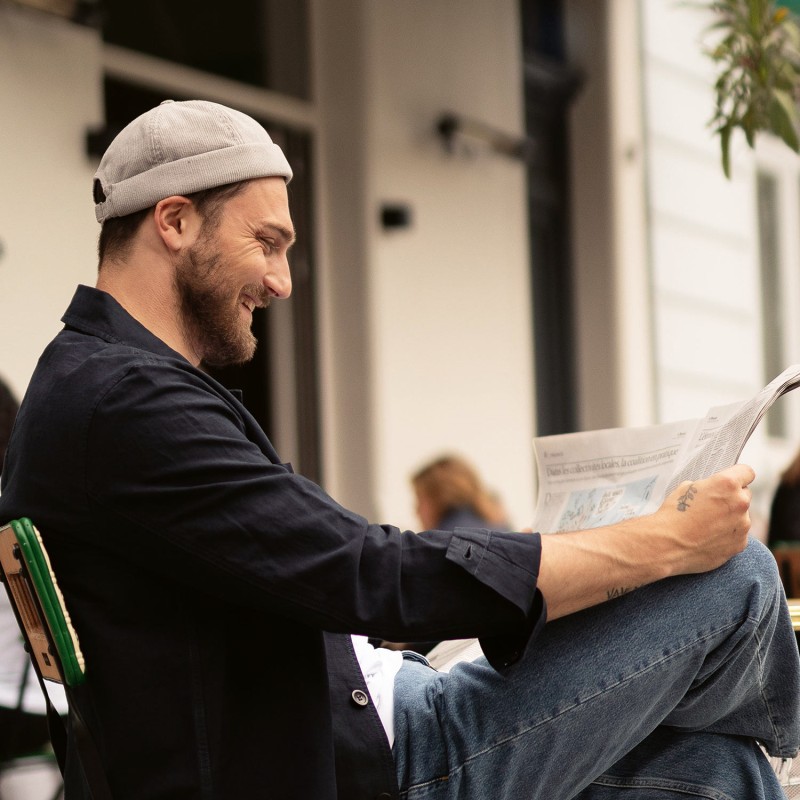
(758, 51)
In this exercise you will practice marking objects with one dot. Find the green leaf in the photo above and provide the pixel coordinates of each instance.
(784, 119)
(725, 144)
(756, 48)
(750, 124)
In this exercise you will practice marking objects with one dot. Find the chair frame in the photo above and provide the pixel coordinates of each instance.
(50, 641)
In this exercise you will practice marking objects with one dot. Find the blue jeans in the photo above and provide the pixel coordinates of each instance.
(660, 694)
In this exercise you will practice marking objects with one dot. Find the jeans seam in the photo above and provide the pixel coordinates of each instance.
(530, 728)
(424, 785)
(692, 789)
(761, 689)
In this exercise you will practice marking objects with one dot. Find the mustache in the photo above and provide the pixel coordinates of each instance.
(258, 293)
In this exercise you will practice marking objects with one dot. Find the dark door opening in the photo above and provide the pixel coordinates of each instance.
(550, 86)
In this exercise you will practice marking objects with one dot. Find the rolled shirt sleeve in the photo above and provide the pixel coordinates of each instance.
(504, 562)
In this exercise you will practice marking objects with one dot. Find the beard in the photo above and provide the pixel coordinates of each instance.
(210, 307)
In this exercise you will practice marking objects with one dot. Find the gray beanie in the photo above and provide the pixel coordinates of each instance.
(180, 148)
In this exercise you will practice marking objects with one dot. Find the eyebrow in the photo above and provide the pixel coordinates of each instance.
(287, 234)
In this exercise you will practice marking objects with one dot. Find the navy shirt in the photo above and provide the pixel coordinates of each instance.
(201, 572)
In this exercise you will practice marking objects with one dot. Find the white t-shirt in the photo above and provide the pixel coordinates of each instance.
(379, 667)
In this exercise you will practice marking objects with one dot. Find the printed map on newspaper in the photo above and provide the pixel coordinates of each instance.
(601, 477)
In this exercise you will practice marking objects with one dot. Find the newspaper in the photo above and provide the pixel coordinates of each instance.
(601, 477)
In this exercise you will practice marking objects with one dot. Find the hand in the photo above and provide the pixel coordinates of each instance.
(703, 523)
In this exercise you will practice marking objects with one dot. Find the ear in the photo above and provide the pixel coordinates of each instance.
(177, 222)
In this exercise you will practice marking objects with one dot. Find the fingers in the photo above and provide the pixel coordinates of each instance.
(735, 480)
(739, 475)
(742, 473)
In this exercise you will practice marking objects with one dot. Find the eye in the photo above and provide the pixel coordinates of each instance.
(268, 245)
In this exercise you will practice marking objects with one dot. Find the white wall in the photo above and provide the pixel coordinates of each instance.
(703, 226)
(450, 328)
(704, 237)
(49, 97)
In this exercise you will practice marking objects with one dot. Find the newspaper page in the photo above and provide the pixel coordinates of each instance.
(601, 477)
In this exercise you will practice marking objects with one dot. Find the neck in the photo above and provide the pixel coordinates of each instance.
(153, 302)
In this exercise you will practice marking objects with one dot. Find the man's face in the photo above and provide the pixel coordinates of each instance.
(233, 267)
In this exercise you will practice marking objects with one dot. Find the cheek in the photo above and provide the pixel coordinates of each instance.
(251, 264)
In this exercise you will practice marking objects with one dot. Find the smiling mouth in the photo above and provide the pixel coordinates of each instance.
(250, 303)
(253, 298)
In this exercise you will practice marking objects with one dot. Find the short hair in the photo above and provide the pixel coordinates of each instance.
(117, 233)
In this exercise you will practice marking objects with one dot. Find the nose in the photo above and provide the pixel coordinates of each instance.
(278, 282)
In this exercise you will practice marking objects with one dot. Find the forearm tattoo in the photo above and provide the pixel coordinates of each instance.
(619, 591)
(686, 498)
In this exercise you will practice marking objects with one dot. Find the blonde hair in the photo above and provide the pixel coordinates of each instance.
(450, 482)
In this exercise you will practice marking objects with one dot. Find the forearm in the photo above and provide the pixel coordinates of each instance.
(584, 568)
(698, 528)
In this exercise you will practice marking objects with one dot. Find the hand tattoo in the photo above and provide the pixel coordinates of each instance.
(686, 498)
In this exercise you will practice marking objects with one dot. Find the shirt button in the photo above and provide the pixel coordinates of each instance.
(359, 698)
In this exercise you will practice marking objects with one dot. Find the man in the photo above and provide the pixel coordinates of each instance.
(201, 573)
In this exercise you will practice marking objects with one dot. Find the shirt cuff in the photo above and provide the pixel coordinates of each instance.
(509, 564)
(506, 562)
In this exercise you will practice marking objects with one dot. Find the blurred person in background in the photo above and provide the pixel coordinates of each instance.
(450, 494)
(8, 413)
(23, 718)
(784, 515)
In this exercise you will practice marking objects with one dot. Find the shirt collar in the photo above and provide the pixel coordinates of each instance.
(97, 313)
